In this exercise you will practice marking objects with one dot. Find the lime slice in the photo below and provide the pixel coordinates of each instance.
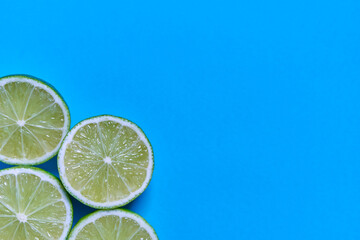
(115, 225)
(33, 120)
(33, 205)
(105, 162)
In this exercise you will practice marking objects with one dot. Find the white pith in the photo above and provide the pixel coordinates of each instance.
(47, 178)
(21, 123)
(21, 217)
(68, 140)
(57, 99)
(118, 212)
(107, 160)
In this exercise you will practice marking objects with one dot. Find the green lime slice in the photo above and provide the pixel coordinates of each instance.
(114, 224)
(33, 205)
(105, 162)
(33, 120)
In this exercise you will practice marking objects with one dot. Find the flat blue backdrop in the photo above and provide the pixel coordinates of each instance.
(252, 107)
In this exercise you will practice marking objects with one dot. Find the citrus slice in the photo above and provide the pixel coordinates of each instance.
(113, 225)
(105, 162)
(33, 120)
(33, 205)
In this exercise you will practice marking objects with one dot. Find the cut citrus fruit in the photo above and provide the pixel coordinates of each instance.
(105, 162)
(33, 120)
(115, 225)
(33, 205)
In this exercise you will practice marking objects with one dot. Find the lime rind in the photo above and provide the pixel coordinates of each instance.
(76, 194)
(58, 99)
(92, 217)
(48, 177)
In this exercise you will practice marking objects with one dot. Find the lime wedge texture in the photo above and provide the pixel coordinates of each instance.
(113, 225)
(34, 119)
(105, 162)
(33, 205)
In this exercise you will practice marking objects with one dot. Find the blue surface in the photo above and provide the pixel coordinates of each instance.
(252, 107)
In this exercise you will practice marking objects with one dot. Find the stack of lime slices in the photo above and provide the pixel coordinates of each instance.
(105, 162)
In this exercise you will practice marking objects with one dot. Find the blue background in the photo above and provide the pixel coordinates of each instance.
(252, 107)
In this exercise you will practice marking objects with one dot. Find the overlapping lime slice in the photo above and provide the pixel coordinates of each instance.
(34, 119)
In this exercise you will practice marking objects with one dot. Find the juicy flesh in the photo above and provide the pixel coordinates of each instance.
(31, 122)
(113, 227)
(30, 208)
(106, 161)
